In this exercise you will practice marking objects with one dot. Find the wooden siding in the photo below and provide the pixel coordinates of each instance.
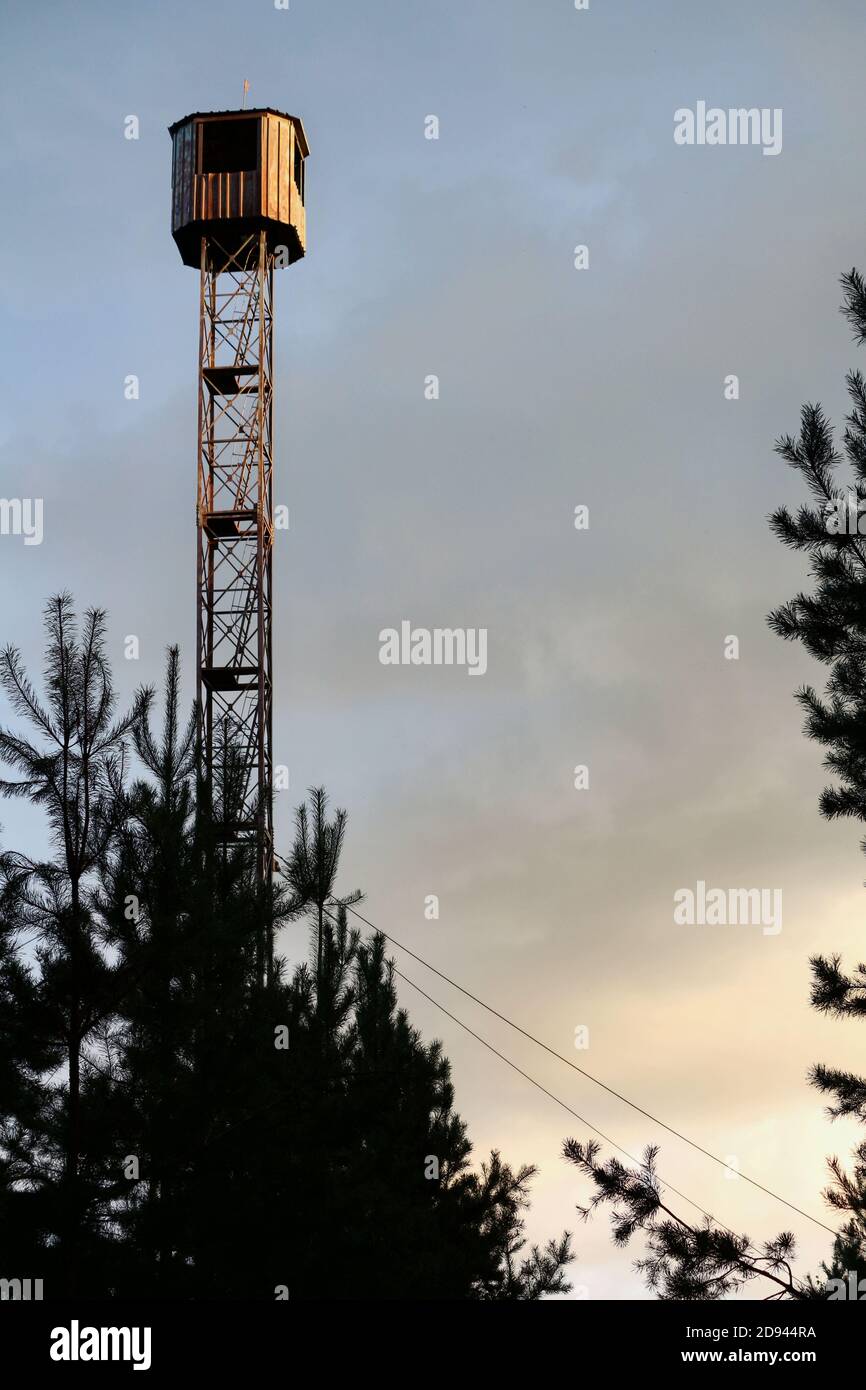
(267, 192)
(218, 196)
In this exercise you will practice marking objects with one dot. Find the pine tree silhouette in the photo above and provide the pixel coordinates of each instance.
(74, 773)
(234, 1138)
(706, 1261)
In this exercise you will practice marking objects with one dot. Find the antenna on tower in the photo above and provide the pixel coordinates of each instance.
(246, 89)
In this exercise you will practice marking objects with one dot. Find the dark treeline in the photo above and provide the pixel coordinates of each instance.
(169, 1125)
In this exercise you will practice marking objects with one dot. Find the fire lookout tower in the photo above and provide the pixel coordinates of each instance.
(237, 214)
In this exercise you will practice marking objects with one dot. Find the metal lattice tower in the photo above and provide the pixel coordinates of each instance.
(237, 215)
(235, 532)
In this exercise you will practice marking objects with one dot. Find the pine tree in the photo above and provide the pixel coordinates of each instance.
(831, 621)
(75, 774)
(371, 1162)
(31, 1049)
(311, 869)
(831, 624)
(843, 996)
(705, 1261)
(187, 1043)
(235, 1138)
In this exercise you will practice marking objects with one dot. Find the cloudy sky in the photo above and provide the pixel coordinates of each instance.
(559, 387)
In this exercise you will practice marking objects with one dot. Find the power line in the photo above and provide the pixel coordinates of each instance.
(588, 1075)
(539, 1043)
(531, 1079)
(525, 1074)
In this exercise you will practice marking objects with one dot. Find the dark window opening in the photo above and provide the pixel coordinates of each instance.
(229, 147)
(299, 170)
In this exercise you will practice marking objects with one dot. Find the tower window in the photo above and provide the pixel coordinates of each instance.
(299, 170)
(229, 147)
